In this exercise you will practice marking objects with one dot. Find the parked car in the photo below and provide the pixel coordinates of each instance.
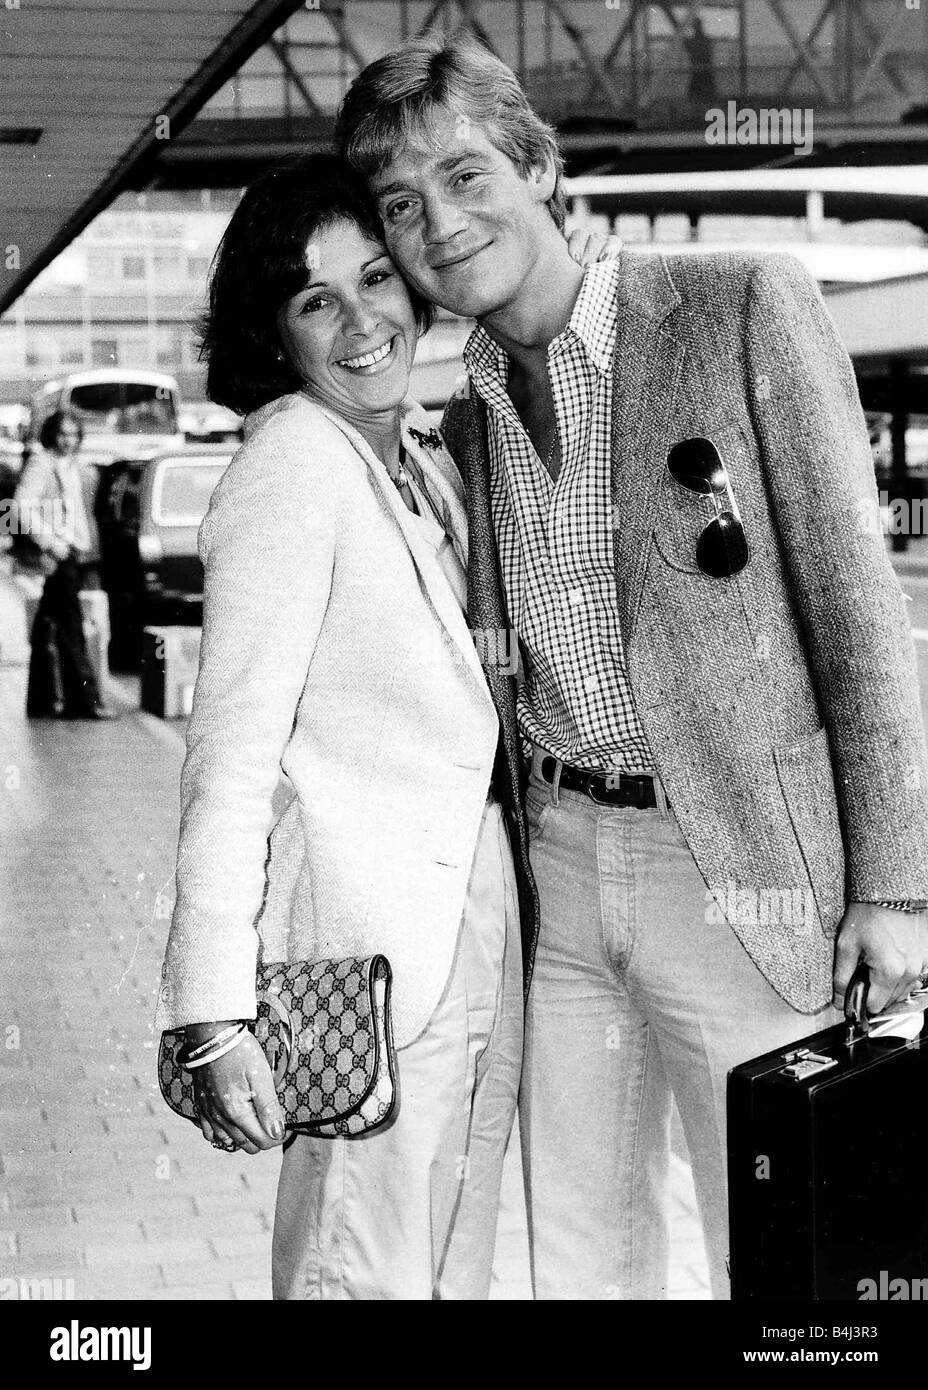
(125, 413)
(204, 422)
(148, 513)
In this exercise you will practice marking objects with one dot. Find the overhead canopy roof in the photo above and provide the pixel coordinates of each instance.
(82, 88)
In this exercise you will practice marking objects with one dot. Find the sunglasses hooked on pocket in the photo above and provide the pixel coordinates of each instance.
(722, 548)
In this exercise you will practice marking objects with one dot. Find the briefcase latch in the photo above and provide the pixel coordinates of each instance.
(804, 1063)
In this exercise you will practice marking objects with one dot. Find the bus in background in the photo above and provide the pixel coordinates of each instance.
(125, 414)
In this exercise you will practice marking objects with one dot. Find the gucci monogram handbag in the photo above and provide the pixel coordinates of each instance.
(326, 1032)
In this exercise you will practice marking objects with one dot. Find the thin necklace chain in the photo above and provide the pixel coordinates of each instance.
(401, 477)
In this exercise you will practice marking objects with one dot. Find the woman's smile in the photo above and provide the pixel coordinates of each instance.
(373, 361)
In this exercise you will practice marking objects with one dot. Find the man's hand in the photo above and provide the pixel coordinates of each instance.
(589, 247)
(893, 944)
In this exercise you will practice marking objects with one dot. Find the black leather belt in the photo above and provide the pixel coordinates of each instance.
(605, 788)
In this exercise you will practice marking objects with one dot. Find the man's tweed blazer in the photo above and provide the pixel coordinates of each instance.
(333, 647)
(781, 704)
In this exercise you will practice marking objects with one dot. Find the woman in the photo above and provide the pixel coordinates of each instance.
(55, 540)
(335, 647)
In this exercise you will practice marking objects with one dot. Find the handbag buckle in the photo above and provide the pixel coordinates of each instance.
(279, 1048)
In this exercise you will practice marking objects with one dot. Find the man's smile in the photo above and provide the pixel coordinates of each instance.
(450, 262)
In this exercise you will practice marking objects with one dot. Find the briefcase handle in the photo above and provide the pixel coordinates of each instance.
(855, 1003)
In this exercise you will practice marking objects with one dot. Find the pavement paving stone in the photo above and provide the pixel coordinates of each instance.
(218, 1203)
(170, 1206)
(252, 1290)
(106, 1230)
(232, 1248)
(150, 1186)
(174, 1248)
(142, 1281)
(61, 1241)
(236, 1225)
(190, 1272)
(100, 1165)
(59, 1267)
(45, 1220)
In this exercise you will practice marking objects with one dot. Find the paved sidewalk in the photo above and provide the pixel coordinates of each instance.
(99, 1183)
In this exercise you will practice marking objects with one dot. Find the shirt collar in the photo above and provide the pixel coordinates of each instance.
(592, 323)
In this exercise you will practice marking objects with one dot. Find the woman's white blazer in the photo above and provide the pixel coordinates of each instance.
(333, 649)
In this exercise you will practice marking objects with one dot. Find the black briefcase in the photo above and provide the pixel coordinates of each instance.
(828, 1165)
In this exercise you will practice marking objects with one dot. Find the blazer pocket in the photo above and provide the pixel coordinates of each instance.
(683, 518)
(807, 781)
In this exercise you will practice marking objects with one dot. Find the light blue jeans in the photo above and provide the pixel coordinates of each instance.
(638, 995)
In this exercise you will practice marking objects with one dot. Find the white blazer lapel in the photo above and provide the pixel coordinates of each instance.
(437, 475)
(433, 580)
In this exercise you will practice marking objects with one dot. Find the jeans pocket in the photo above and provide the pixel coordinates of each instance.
(537, 809)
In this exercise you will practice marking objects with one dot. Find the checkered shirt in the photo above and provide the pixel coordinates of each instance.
(555, 541)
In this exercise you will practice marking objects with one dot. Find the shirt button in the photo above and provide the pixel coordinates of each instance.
(166, 993)
(164, 971)
(575, 596)
(590, 683)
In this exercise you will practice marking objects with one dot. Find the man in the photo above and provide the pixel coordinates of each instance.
(666, 466)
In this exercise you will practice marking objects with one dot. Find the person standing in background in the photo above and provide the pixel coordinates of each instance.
(55, 540)
(698, 45)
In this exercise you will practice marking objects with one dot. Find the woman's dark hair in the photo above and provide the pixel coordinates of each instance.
(48, 432)
(261, 263)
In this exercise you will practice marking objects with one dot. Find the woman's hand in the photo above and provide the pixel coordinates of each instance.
(237, 1101)
(589, 247)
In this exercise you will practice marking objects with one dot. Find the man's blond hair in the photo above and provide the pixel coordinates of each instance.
(395, 99)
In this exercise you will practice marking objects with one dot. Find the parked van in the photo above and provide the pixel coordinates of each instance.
(126, 414)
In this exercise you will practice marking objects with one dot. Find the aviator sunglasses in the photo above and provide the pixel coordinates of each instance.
(722, 549)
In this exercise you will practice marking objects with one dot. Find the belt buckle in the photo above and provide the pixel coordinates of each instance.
(591, 792)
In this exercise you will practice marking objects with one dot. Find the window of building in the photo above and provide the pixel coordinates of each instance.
(133, 267)
(167, 265)
(42, 350)
(102, 267)
(104, 352)
(135, 350)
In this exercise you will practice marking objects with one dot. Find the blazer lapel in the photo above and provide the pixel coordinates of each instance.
(466, 422)
(435, 472)
(433, 580)
(646, 372)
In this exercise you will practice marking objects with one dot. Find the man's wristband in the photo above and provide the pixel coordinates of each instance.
(903, 904)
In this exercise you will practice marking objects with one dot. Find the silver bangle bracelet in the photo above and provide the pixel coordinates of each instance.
(215, 1040)
(219, 1051)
